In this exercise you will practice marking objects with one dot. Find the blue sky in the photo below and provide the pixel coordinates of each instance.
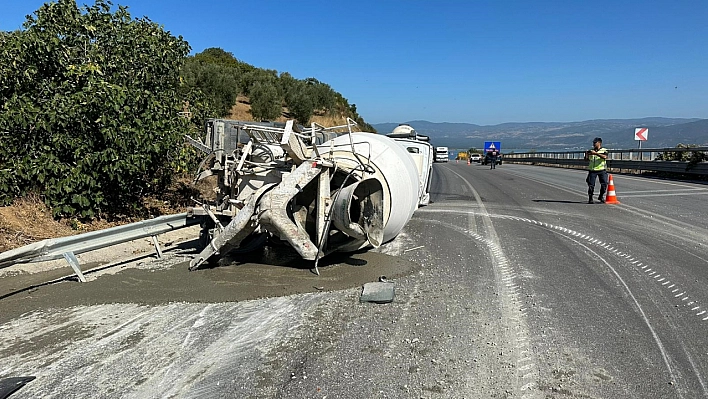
(483, 62)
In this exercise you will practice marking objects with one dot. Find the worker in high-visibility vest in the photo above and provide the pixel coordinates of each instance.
(597, 168)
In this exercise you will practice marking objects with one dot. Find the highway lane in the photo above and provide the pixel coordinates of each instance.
(521, 290)
(527, 291)
(617, 288)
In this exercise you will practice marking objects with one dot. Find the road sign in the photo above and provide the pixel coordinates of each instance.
(492, 145)
(641, 133)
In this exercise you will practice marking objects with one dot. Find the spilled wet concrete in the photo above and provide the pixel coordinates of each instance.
(269, 273)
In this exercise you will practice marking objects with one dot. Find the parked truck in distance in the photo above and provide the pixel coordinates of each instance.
(441, 154)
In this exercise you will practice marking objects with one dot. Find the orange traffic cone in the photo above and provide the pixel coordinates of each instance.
(468, 161)
(611, 195)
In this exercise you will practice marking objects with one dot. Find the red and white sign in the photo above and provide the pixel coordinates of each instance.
(641, 133)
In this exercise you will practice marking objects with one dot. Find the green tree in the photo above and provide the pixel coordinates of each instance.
(89, 108)
(300, 105)
(216, 81)
(286, 83)
(257, 75)
(322, 95)
(218, 56)
(266, 104)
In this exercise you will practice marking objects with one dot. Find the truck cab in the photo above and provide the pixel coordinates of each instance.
(441, 154)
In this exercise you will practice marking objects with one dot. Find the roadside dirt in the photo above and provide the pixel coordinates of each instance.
(29, 220)
(242, 111)
(26, 221)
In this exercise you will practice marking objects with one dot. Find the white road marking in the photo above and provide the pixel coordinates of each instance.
(621, 254)
(657, 340)
(663, 195)
(632, 192)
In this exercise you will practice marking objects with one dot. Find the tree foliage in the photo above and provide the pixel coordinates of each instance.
(89, 103)
(302, 97)
(266, 103)
(299, 102)
(692, 157)
(218, 83)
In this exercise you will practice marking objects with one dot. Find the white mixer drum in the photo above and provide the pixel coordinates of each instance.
(391, 164)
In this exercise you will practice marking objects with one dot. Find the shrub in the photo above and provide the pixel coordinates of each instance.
(89, 108)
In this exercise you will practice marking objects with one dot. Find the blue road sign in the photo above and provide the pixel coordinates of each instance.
(492, 145)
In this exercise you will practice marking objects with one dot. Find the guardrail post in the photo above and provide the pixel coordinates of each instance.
(74, 263)
(158, 250)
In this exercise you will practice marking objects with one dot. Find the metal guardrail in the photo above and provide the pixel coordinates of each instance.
(68, 247)
(635, 160)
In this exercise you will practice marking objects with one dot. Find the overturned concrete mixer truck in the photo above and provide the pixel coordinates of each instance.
(319, 189)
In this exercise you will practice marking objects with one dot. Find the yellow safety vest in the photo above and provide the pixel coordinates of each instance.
(597, 163)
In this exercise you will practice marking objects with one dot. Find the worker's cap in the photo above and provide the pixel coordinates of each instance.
(596, 140)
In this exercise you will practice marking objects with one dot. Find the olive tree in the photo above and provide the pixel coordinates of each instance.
(266, 104)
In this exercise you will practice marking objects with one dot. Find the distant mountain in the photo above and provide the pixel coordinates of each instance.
(616, 133)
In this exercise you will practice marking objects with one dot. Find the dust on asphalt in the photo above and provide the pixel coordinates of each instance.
(268, 273)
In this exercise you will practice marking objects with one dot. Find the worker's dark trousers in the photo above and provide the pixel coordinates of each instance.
(600, 174)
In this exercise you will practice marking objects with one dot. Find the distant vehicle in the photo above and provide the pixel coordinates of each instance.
(475, 158)
(487, 159)
(441, 154)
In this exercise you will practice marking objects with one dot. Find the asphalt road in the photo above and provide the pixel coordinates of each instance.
(518, 289)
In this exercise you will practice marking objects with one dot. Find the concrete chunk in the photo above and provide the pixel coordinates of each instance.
(379, 292)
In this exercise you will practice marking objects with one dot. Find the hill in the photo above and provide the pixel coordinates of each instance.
(227, 87)
(616, 133)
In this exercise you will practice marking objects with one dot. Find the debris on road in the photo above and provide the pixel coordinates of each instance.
(382, 291)
(414, 248)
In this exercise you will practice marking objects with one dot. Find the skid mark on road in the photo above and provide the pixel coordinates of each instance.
(680, 295)
(661, 278)
(505, 276)
(527, 372)
(676, 292)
